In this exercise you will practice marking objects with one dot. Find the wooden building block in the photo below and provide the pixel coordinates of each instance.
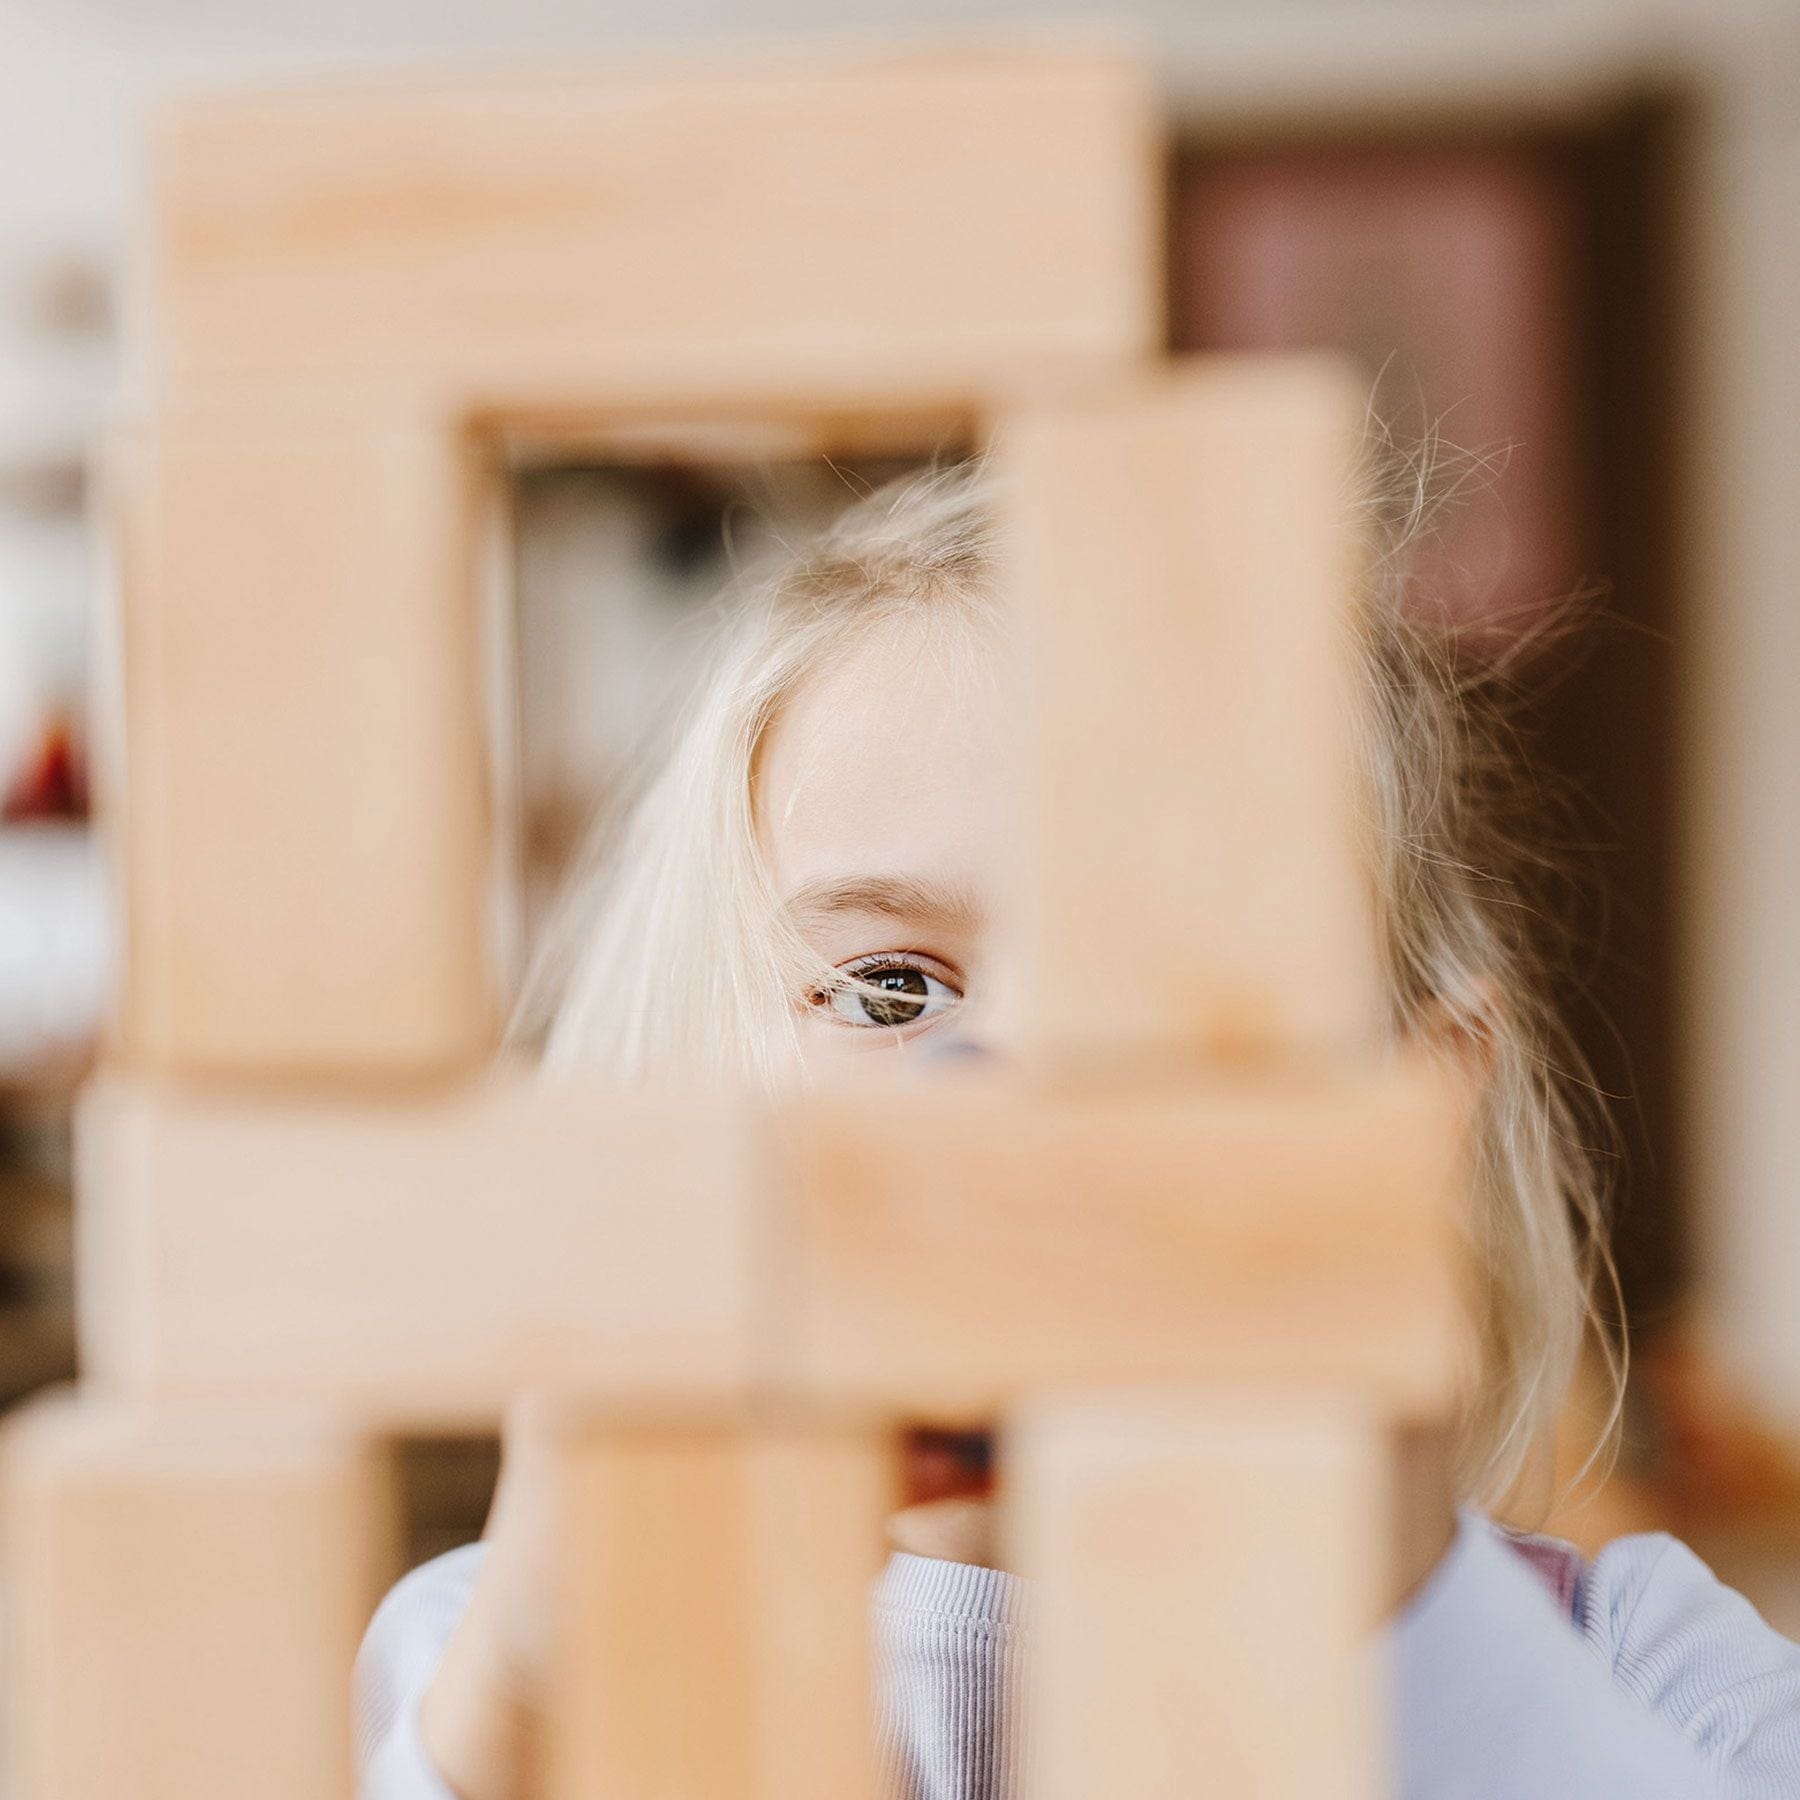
(1191, 872)
(304, 816)
(924, 225)
(1208, 1572)
(420, 1262)
(715, 1631)
(1302, 1229)
(416, 1263)
(184, 1596)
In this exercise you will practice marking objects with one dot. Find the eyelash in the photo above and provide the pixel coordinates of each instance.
(862, 967)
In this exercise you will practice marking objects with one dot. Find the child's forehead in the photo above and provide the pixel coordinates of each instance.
(886, 760)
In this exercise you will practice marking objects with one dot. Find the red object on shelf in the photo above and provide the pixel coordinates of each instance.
(53, 782)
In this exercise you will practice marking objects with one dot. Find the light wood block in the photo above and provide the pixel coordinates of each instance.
(1190, 875)
(715, 1633)
(925, 225)
(304, 817)
(184, 1596)
(982, 1243)
(1208, 1574)
(416, 1264)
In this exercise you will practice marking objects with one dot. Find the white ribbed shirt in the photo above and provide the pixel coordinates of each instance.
(1656, 1682)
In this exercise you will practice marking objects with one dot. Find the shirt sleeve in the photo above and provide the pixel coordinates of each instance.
(1498, 1698)
(949, 1647)
(1700, 1656)
(400, 1654)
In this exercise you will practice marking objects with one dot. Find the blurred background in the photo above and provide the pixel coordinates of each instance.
(1565, 238)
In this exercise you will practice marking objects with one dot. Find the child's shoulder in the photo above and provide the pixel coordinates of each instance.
(1650, 1587)
(1694, 1649)
(1636, 1590)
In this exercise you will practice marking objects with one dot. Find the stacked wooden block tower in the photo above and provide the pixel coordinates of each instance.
(1194, 1253)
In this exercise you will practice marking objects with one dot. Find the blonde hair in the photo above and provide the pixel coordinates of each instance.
(671, 955)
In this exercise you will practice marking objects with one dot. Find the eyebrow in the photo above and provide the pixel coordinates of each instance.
(945, 905)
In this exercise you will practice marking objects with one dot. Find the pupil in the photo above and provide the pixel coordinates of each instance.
(909, 991)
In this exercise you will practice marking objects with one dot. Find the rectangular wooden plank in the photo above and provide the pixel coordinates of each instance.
(714, 1633)
(1208, 1574)
(303, 812)
(184, 1597)
(985, 1241)
(922, 224)
(417, 1262)
(1190, 870)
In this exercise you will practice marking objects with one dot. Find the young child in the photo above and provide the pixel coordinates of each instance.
(807, 885)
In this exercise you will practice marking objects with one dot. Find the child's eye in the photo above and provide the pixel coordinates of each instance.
(906, 993)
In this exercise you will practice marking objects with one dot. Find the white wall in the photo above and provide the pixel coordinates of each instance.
(1743, 795)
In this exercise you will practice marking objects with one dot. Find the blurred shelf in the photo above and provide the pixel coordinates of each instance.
(54, 954)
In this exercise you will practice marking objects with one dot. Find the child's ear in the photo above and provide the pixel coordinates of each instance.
(1466, 1027)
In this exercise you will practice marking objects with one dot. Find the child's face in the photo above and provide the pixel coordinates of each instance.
(878, 805)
